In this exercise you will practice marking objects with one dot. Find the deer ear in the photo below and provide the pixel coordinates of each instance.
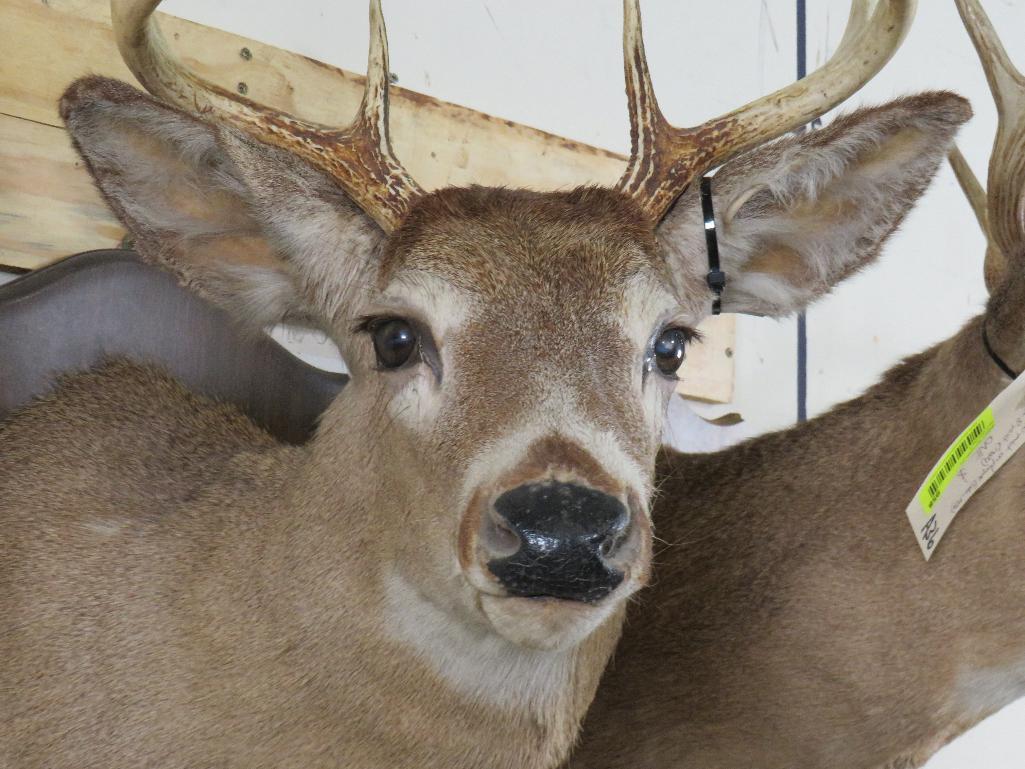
(248, 226)
(797, 216)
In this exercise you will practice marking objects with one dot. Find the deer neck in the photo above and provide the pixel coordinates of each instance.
(870, 452)
(770, 517)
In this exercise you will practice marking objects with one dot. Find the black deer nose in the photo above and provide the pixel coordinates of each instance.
(557, 540)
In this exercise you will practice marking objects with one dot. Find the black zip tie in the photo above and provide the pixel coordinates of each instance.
(996, 358)
(716, 277)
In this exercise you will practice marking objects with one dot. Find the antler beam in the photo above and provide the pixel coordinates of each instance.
(358, 157)
(665, 159)
(1004, 213)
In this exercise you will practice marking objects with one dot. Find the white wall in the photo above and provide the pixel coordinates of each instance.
(556, 65)
(929, 281)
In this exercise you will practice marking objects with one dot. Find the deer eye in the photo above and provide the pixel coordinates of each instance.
(395, 341)
(668, 350)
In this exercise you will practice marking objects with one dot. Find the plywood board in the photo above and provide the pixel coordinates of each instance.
(707, 371)
(49, 208)
(48, 44)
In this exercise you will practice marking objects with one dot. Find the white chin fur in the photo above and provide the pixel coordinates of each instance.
(543, 623)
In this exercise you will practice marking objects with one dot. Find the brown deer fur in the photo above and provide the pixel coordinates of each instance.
(177, 590)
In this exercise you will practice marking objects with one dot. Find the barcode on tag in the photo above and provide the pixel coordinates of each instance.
(954, 458)
(973, 458)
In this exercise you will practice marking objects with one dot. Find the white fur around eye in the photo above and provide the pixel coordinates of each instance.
(647, 304)
(444, 307)
(417, 400)
(647, 307)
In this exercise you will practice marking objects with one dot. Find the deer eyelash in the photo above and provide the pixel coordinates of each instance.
(691, 335)
(365, 324)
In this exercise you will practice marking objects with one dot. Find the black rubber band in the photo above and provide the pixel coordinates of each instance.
(996, 358)
(716, 277)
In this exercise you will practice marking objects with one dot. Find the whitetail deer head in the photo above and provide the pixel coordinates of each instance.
(511, 352)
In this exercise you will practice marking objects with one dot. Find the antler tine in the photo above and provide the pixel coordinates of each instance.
(1006, 196)
(648, 127)
(359, 158)
(971, 187)
(995, 266)
(664, 159)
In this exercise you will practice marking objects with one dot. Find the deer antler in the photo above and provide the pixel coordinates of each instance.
(995, 264)
(1002, 211)
(664, 159)
(359, 157)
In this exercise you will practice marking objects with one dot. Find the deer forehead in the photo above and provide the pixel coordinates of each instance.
(534, 262)
(489, 240)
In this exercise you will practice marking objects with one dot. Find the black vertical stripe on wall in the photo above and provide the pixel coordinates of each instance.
(802, 319)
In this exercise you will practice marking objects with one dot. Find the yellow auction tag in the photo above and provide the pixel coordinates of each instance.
(956, 456)
(979, 451)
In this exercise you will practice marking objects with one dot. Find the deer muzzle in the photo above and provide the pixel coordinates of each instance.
(553, 539)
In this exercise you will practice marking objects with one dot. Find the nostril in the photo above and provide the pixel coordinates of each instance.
(497, 537)
(610, 544)
(613, 541)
